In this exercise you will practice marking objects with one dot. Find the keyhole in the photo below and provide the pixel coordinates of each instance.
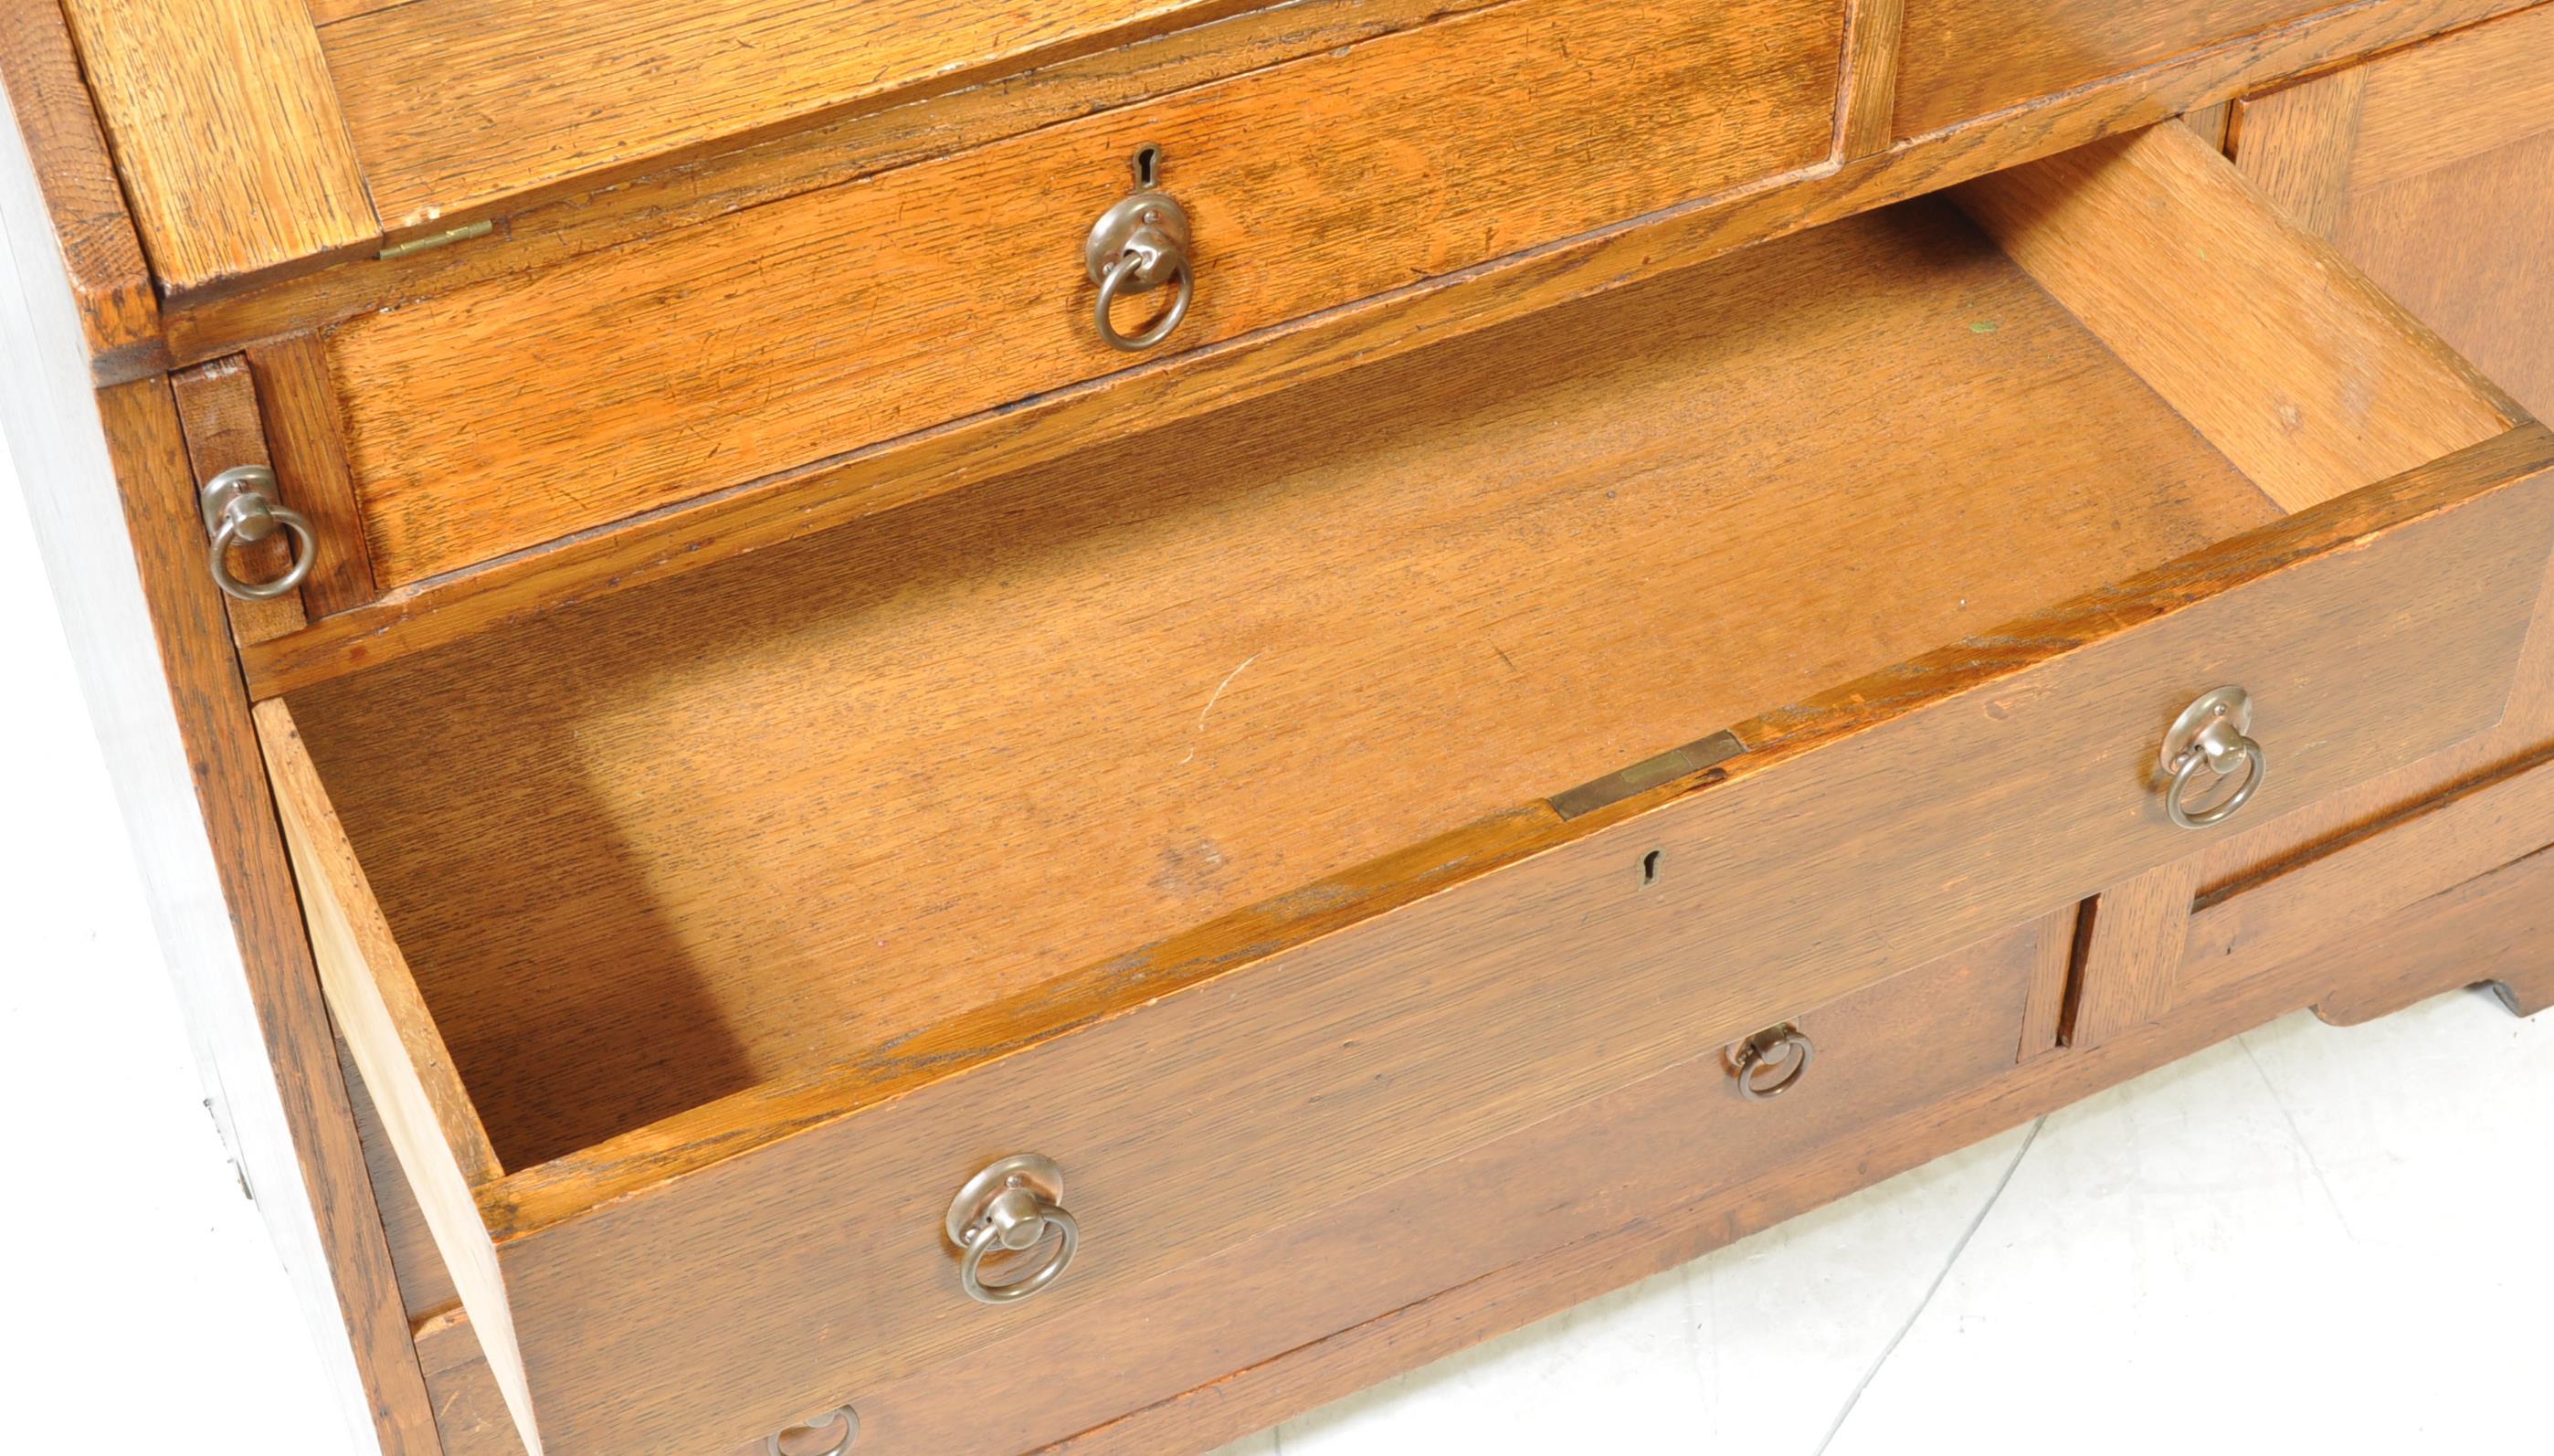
(1650, 866)
(1148, 167)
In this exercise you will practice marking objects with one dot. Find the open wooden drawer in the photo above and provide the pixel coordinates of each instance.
(1199, 812)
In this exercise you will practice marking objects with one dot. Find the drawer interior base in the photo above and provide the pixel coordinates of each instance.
(647, 854)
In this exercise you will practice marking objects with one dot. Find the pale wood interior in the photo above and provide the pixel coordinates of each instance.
(794, 809)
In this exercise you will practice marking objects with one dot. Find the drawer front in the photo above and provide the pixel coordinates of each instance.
(2332, 896)
(1865, 837)
(1911, 1042)
(521, 409)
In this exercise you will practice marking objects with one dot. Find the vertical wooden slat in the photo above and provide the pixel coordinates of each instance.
(217, 402)
(2133, 955)
(2052, 971)
(228, 132)
(425, 1110)
(2297, 145)
(2209, 123)
(1867, 108)
(301, 407)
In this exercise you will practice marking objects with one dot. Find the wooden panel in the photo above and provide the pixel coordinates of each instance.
(1338, 622)
(107, 485)
(218, 403)
(1920, 1038)
(518, 410)
(1968, 58)
(2310, 379)
(2295, 145)
(2051, 977)
(226, 132)
(310, 468)
(822, 154)
(624, 1253)
(425, 1114)
(424, 1284)
(538, 234)
(2437, 945)
(2433, 170)
(119, 311)
(1870, 93)
(2132, 954)
(2456, 98)
(2338, 889)
(2498, 929)
(794, 504)
(457, 104)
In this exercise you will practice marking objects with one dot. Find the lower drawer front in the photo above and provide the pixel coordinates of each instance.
(2325, 900)
(1920, 1038)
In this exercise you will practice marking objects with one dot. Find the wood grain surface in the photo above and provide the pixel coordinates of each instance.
(539, 233)
(1455, 583)
(2496, 929)
(821, 154)
(110, 284)
(300, 413)
(425, 1114)
(1346, 1033)
(2433, 170)
(1922, 1037)
(2131, 953)
(2492, 926)
(518, 410)
(1965, 58)
(2348, 884)
(670, 542)
(2306, 375)
(458, 103)
(226, 132)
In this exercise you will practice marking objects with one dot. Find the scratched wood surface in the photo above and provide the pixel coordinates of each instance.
(518, 410)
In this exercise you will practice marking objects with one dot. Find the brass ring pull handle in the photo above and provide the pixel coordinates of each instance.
(1770, 1062)
(239, 506)
(1011, 1207)
(1138, 244)
(1141, 256)
(795, 1441)
(2212, 733)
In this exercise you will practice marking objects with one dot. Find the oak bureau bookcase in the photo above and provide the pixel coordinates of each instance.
(908, 728)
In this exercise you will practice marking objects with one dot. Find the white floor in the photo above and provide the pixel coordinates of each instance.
(2308, 1240)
